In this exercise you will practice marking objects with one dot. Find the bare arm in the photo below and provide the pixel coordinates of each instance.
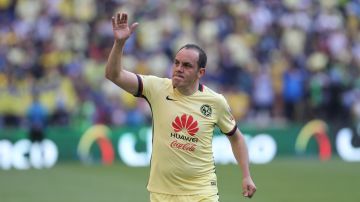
(114, 71)
(240, 151)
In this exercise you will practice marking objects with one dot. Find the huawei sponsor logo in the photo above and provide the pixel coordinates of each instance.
(184, 137)
(189, 127)
(186, 122)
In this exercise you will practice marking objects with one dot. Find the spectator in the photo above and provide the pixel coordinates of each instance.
(60, 48)
(37, 120)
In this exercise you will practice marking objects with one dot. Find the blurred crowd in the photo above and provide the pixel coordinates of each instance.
(274, 60)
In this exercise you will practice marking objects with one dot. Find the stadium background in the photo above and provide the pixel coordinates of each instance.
(280, 64)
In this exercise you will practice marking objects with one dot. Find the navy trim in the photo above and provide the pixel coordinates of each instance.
(201, 87)
(232, 132)
(153, 129)
(140, 86)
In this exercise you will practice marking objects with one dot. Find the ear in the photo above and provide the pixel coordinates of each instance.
(201, 72)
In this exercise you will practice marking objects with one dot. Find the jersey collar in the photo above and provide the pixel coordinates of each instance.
(200, 87)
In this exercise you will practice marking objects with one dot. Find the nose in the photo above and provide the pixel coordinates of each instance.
(179, 68)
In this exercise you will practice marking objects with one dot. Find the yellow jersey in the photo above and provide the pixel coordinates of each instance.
(182, 160)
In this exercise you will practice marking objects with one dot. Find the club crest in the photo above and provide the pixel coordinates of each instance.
(206, 110)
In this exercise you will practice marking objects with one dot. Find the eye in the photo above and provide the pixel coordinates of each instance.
(187, 65)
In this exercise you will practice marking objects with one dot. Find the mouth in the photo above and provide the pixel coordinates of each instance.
(178, 76)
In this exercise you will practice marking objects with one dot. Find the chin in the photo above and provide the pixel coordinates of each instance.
(175, 83)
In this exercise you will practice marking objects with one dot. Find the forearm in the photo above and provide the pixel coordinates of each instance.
(240, 152)
(113, 66)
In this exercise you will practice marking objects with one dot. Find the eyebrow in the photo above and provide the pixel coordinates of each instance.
(188, 64)
(184, 63)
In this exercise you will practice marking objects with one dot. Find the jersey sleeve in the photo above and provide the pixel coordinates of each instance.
(226, 121)
(147, 86)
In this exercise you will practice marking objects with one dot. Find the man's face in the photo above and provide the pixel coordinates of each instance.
(185, 69)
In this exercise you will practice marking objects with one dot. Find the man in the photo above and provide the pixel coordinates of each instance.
(36, 118)
(185, 114)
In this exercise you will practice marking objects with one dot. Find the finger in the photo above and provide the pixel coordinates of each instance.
(251, 191)
(113, 21)
(123, 17)
(251, 188)
(118, 18)
(248, 195)
(133, 26)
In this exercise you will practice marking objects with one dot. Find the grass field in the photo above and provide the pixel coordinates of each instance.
(283, 180)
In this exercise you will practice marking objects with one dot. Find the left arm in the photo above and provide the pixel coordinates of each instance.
(240, 152)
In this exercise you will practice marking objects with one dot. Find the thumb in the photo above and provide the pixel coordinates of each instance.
(133, 27)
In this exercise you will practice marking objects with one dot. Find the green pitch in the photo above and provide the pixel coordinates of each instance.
(283, 180)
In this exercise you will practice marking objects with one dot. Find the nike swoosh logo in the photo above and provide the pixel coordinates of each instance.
(168, 98)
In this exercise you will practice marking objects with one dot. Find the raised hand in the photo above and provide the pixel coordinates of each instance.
(121, 29)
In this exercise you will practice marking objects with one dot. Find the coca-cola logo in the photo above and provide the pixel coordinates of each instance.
(183, 146)
(186, 122)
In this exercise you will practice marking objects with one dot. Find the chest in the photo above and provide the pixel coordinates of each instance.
(194, 114)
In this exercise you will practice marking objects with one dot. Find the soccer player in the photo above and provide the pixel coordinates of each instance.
(185, 114)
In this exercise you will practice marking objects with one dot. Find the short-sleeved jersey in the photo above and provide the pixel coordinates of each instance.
(182, 161)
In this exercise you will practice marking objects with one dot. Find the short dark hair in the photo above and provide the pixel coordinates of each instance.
(202, 55)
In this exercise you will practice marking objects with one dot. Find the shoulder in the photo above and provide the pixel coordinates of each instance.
(217, 99)
(151, 79)
(213, 94)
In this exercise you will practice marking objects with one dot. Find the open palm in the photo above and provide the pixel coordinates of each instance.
(121, 29)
